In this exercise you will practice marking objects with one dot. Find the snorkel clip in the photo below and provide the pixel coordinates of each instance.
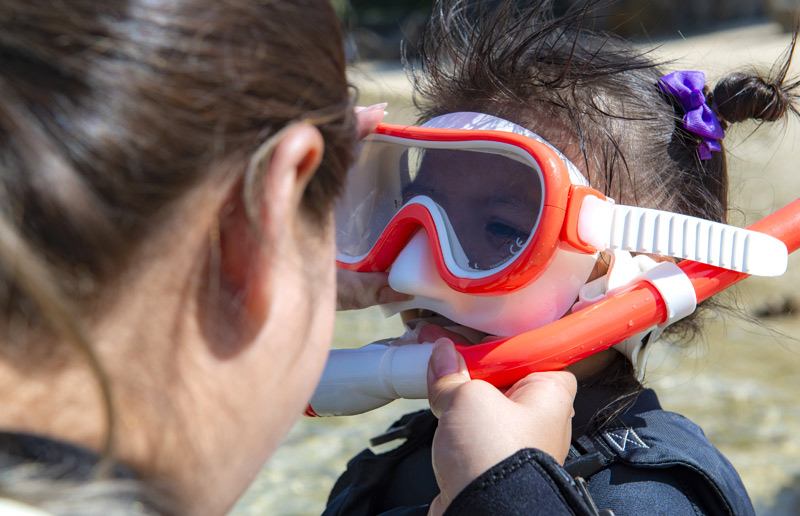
(625, 271)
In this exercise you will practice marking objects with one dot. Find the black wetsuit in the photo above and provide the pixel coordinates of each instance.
(645, 462)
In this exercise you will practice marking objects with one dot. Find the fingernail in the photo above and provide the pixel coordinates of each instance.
(374, 107)
(444, 358)
(388, 295)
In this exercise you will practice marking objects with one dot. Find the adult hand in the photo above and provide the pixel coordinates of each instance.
(368, 118)
(356, 290)
(479, 426)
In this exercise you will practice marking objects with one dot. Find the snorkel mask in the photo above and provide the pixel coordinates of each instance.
(488, 225)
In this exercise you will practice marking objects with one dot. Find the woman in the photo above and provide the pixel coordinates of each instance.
(166, 172)
(160, 203)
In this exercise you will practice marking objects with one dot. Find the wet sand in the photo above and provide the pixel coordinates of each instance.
(740, 382)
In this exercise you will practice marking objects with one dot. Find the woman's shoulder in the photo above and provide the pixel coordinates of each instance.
(63, 477)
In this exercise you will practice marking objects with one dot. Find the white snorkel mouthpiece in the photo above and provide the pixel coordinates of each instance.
(370, 377)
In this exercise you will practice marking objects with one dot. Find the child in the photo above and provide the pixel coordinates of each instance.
(637, 137)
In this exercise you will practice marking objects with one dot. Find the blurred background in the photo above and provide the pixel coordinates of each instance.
(376, 27)
(740, 383)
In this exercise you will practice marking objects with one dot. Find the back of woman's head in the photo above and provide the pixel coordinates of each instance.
(594, 96)
(110, 111)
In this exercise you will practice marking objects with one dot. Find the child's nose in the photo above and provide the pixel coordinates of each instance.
(414, 271)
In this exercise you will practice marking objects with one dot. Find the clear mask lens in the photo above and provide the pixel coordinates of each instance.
(487, 198)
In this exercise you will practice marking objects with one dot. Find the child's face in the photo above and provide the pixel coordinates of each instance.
(436, 326)
(491, 201)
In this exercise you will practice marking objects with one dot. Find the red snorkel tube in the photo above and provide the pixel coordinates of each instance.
(612, 320)
(385, 373)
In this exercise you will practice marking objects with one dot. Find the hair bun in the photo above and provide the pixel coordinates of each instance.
(741, 96)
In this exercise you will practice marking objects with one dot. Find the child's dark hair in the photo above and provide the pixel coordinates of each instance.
(597, 99)
(594, 96)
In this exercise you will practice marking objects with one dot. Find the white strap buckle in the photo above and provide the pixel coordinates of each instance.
(672, 283)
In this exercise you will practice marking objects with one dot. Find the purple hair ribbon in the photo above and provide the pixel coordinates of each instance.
(687, 87)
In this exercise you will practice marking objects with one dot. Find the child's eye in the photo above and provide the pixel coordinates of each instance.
(506, 232)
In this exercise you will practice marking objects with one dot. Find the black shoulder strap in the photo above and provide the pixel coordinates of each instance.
(585, 458)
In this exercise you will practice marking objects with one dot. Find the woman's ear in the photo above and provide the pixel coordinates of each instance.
(248, 248)
(294, 161)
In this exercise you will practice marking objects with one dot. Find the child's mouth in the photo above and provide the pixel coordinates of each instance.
(431, 326)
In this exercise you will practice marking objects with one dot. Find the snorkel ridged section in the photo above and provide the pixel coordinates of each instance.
(642, 230)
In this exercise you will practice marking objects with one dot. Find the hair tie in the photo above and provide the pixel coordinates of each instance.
(687, 87)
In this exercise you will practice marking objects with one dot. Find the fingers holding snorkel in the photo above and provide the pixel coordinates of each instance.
(447, 371)
(475, 418)
(357, 290)
(368, 118)
(550, 396)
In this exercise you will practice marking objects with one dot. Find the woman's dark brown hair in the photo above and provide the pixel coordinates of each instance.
(112, 110)
(592, 95)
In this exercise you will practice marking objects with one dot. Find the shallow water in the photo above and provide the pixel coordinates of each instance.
(740, 383)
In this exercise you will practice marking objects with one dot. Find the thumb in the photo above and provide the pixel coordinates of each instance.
(446, 372)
